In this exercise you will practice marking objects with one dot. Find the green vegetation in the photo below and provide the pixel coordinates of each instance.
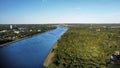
(114, 65)
(20, 31)
(85, 47)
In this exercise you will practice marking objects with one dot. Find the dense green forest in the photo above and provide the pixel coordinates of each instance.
(86, 47)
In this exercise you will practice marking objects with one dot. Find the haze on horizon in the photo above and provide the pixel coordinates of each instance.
(59, 11)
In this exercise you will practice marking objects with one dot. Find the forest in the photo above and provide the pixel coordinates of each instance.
(84, 47)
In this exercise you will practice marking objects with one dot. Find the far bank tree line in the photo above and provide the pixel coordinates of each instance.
(24, 30)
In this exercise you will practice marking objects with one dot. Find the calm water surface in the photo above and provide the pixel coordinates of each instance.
(30, 52)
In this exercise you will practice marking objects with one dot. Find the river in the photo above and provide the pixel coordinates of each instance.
(30, 52)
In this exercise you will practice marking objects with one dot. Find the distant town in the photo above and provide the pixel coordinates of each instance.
(14, 32)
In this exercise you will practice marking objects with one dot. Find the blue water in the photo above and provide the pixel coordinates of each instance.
(30, 52)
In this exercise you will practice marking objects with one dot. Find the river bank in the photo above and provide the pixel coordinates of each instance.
(49, 57)
(2, 45)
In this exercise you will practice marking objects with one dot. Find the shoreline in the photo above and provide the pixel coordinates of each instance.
(50, 55)
(5, 44)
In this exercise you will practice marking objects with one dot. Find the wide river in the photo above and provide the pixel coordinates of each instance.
(30, 52)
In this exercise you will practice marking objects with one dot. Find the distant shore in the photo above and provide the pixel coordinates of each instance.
(5, 44)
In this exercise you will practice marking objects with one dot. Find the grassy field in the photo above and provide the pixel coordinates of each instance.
(86, 48)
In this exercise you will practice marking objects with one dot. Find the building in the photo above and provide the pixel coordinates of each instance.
(11, 27)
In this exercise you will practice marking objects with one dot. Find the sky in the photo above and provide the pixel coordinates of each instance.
(59, 11)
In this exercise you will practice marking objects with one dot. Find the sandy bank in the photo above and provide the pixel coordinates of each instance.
(51, 54)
